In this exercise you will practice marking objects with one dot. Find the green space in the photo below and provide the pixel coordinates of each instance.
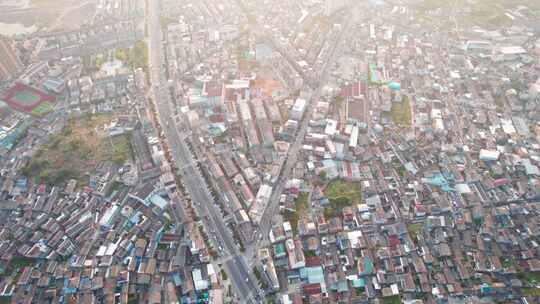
(92, 64)
(135, 57)
(341, 189)
(271, 299)
(42, 109)
(392, 300)
(508, 262)
(401, 112)
(165, 21)
(133, 298)
(291, 217)
(99, 60)
(341, 194)
(221, 137)
(301, 206)
(238, 238)
(532, 278)
(310, 253)
(531, 292)
(5, 300)
(499, 102)
(211, 251)
(26, 97)
(76, 152)
(224, 275)
(414, 230)
(114, 188)
(259, 277)
(21, 262)
(338, 101)
(17, 264)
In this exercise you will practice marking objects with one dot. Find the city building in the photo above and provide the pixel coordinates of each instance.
(10, 64)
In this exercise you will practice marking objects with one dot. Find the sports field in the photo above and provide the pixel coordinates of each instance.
(42, 109)
(28, 99)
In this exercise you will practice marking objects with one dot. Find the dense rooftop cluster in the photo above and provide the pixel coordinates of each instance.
(359, 152)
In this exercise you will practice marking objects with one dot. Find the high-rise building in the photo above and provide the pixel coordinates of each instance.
(10, 64)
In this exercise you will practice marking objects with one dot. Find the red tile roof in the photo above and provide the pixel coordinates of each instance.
(312, 289)
(313, 261)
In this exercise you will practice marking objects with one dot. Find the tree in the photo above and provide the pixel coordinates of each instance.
(341, 202)
(330, 213)
(223, 275)
(338, 100)
(121, 54)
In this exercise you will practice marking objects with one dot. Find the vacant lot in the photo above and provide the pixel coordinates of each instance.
(414, 230)
(76, 152)
(53, 14)
(488, 14)
(343, 191)
(392, 300)
(401, 112)
(301, 206)
(341, 194)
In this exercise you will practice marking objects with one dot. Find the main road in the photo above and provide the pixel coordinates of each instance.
(245, 285)
(292, 156)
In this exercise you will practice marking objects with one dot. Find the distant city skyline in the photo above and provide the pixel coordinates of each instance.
(270, 151)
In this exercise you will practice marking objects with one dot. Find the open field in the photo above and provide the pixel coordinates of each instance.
(489, 14)
(59, 14)
(76, 152)
(347, 192)
(401, 112)
(392, 300)
(28, 99)
(532, 278)
(341, 194)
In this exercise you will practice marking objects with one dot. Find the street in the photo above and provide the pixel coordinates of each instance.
(245, 284)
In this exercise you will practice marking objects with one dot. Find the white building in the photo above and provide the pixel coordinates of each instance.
(261, 200)
(331, 127)
(353, 140)
(198, 281)
(298, 109)
(295, 253)
(108, 217)
(489, 155)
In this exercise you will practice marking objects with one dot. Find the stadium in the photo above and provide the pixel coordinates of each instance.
(25, 98)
